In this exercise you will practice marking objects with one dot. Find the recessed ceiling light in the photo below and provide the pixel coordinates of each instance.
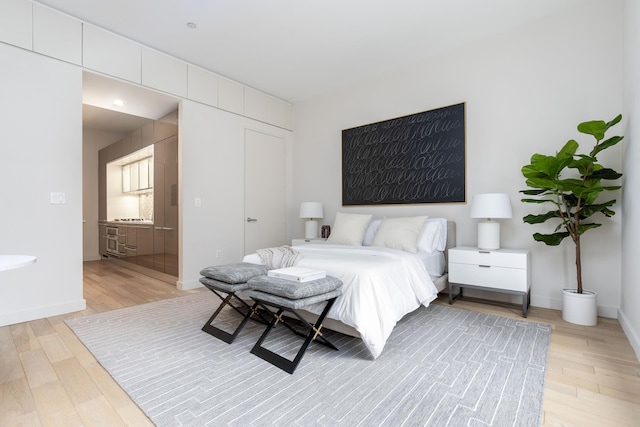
(118, 102)
(191, 25)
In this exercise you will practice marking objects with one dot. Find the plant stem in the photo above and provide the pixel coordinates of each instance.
(578, 265)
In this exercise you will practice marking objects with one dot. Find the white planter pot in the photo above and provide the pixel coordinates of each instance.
(580, 309)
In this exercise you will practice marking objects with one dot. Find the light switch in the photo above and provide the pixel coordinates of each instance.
(57, 198)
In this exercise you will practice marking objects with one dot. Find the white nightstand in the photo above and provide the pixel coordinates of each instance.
(501, 270)
(317, 240)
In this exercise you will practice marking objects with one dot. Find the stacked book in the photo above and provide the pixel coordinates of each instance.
(297, 274)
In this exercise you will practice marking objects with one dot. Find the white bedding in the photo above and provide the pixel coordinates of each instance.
(380, 286)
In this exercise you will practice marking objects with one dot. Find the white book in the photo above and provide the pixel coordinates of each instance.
(297, 274)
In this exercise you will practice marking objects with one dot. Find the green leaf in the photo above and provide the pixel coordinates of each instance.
(592, 209)
(551, 239)
(597, 128)
(584, 227)
(605, 173)
(532, 192)
(536, 201)
(605, 144)
(614, 122)
(538, 219)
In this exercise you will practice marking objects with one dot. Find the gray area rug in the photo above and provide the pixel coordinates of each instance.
(442, 366)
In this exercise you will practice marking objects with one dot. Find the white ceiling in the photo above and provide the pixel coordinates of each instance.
(297, 49)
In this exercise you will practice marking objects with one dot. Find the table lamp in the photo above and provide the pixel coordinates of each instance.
(311, 210)
(490, 206)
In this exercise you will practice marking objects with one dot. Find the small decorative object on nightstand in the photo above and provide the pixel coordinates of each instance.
(317, 240)
(502, 270)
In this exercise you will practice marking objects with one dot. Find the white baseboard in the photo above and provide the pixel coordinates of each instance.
(188, 285)
(632, 335)
(556, 304)
(34, 313)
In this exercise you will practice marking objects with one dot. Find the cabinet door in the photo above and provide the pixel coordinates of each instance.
(133, 172)
(126, 178)
(144, 241)
(102, 186)
(102, 239)
(130, 244)
(165, 202)
(143, 174)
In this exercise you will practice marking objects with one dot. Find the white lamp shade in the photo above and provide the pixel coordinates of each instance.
(488, 206)
(491, 205)
(311, 210)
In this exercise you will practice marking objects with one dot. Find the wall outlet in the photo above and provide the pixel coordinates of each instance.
(198, 202)
(218, 253)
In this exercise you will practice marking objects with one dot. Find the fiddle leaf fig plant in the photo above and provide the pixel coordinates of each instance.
(571, 183)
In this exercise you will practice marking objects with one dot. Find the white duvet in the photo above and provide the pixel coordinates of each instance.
(380, 286)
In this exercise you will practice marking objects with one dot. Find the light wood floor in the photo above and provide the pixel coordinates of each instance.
(48, 378)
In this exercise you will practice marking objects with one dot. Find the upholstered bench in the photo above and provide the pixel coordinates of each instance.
(286, 295)
(229, 279)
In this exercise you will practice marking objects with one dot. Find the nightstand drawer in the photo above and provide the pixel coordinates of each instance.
(510, 279)
(500, 258)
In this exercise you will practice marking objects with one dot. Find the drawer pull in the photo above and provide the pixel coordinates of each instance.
(484, 266)
(484, 252)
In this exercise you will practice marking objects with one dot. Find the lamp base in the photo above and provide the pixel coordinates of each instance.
(311, 229)
(489, 235)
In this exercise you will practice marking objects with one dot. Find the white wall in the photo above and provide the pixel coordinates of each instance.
(525, 92)
(211, 153)
(40, 153)
(629, 313)
(92, 142)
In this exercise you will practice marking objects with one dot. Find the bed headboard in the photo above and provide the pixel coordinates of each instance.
(451, 240)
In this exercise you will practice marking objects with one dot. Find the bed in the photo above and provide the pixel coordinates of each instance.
(383, 280)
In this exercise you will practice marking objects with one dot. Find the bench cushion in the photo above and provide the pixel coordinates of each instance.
(222, 286)
(294, 304)
(234, 273)
(293, 290)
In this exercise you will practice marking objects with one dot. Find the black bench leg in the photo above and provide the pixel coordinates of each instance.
(223, 335)
(282, 362)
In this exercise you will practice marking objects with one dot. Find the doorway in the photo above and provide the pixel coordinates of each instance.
(104, 122)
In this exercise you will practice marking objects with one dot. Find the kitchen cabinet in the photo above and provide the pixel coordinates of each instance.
(165, 127)
(102, 239)
(165, 206)
(139, 245)
(102, 186)
(146, 135)
(132, 142)
(135, 176)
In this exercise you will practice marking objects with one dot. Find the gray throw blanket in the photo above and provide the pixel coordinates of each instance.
(279, 257)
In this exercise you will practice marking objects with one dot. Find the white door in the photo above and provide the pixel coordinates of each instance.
(264, 192)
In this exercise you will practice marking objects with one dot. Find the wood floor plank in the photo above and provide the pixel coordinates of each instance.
(15, 401)
(37, 368)
(54, 347)
(76, 381)
(10, 366)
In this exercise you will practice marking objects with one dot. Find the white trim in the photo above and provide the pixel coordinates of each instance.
(41, 312)
(632, 334)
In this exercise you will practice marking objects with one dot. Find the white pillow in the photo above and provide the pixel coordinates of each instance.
(400, 233)
(434, 235)
(371, 232)
(349, 229)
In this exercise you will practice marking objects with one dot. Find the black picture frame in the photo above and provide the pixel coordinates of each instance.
(419, 158)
